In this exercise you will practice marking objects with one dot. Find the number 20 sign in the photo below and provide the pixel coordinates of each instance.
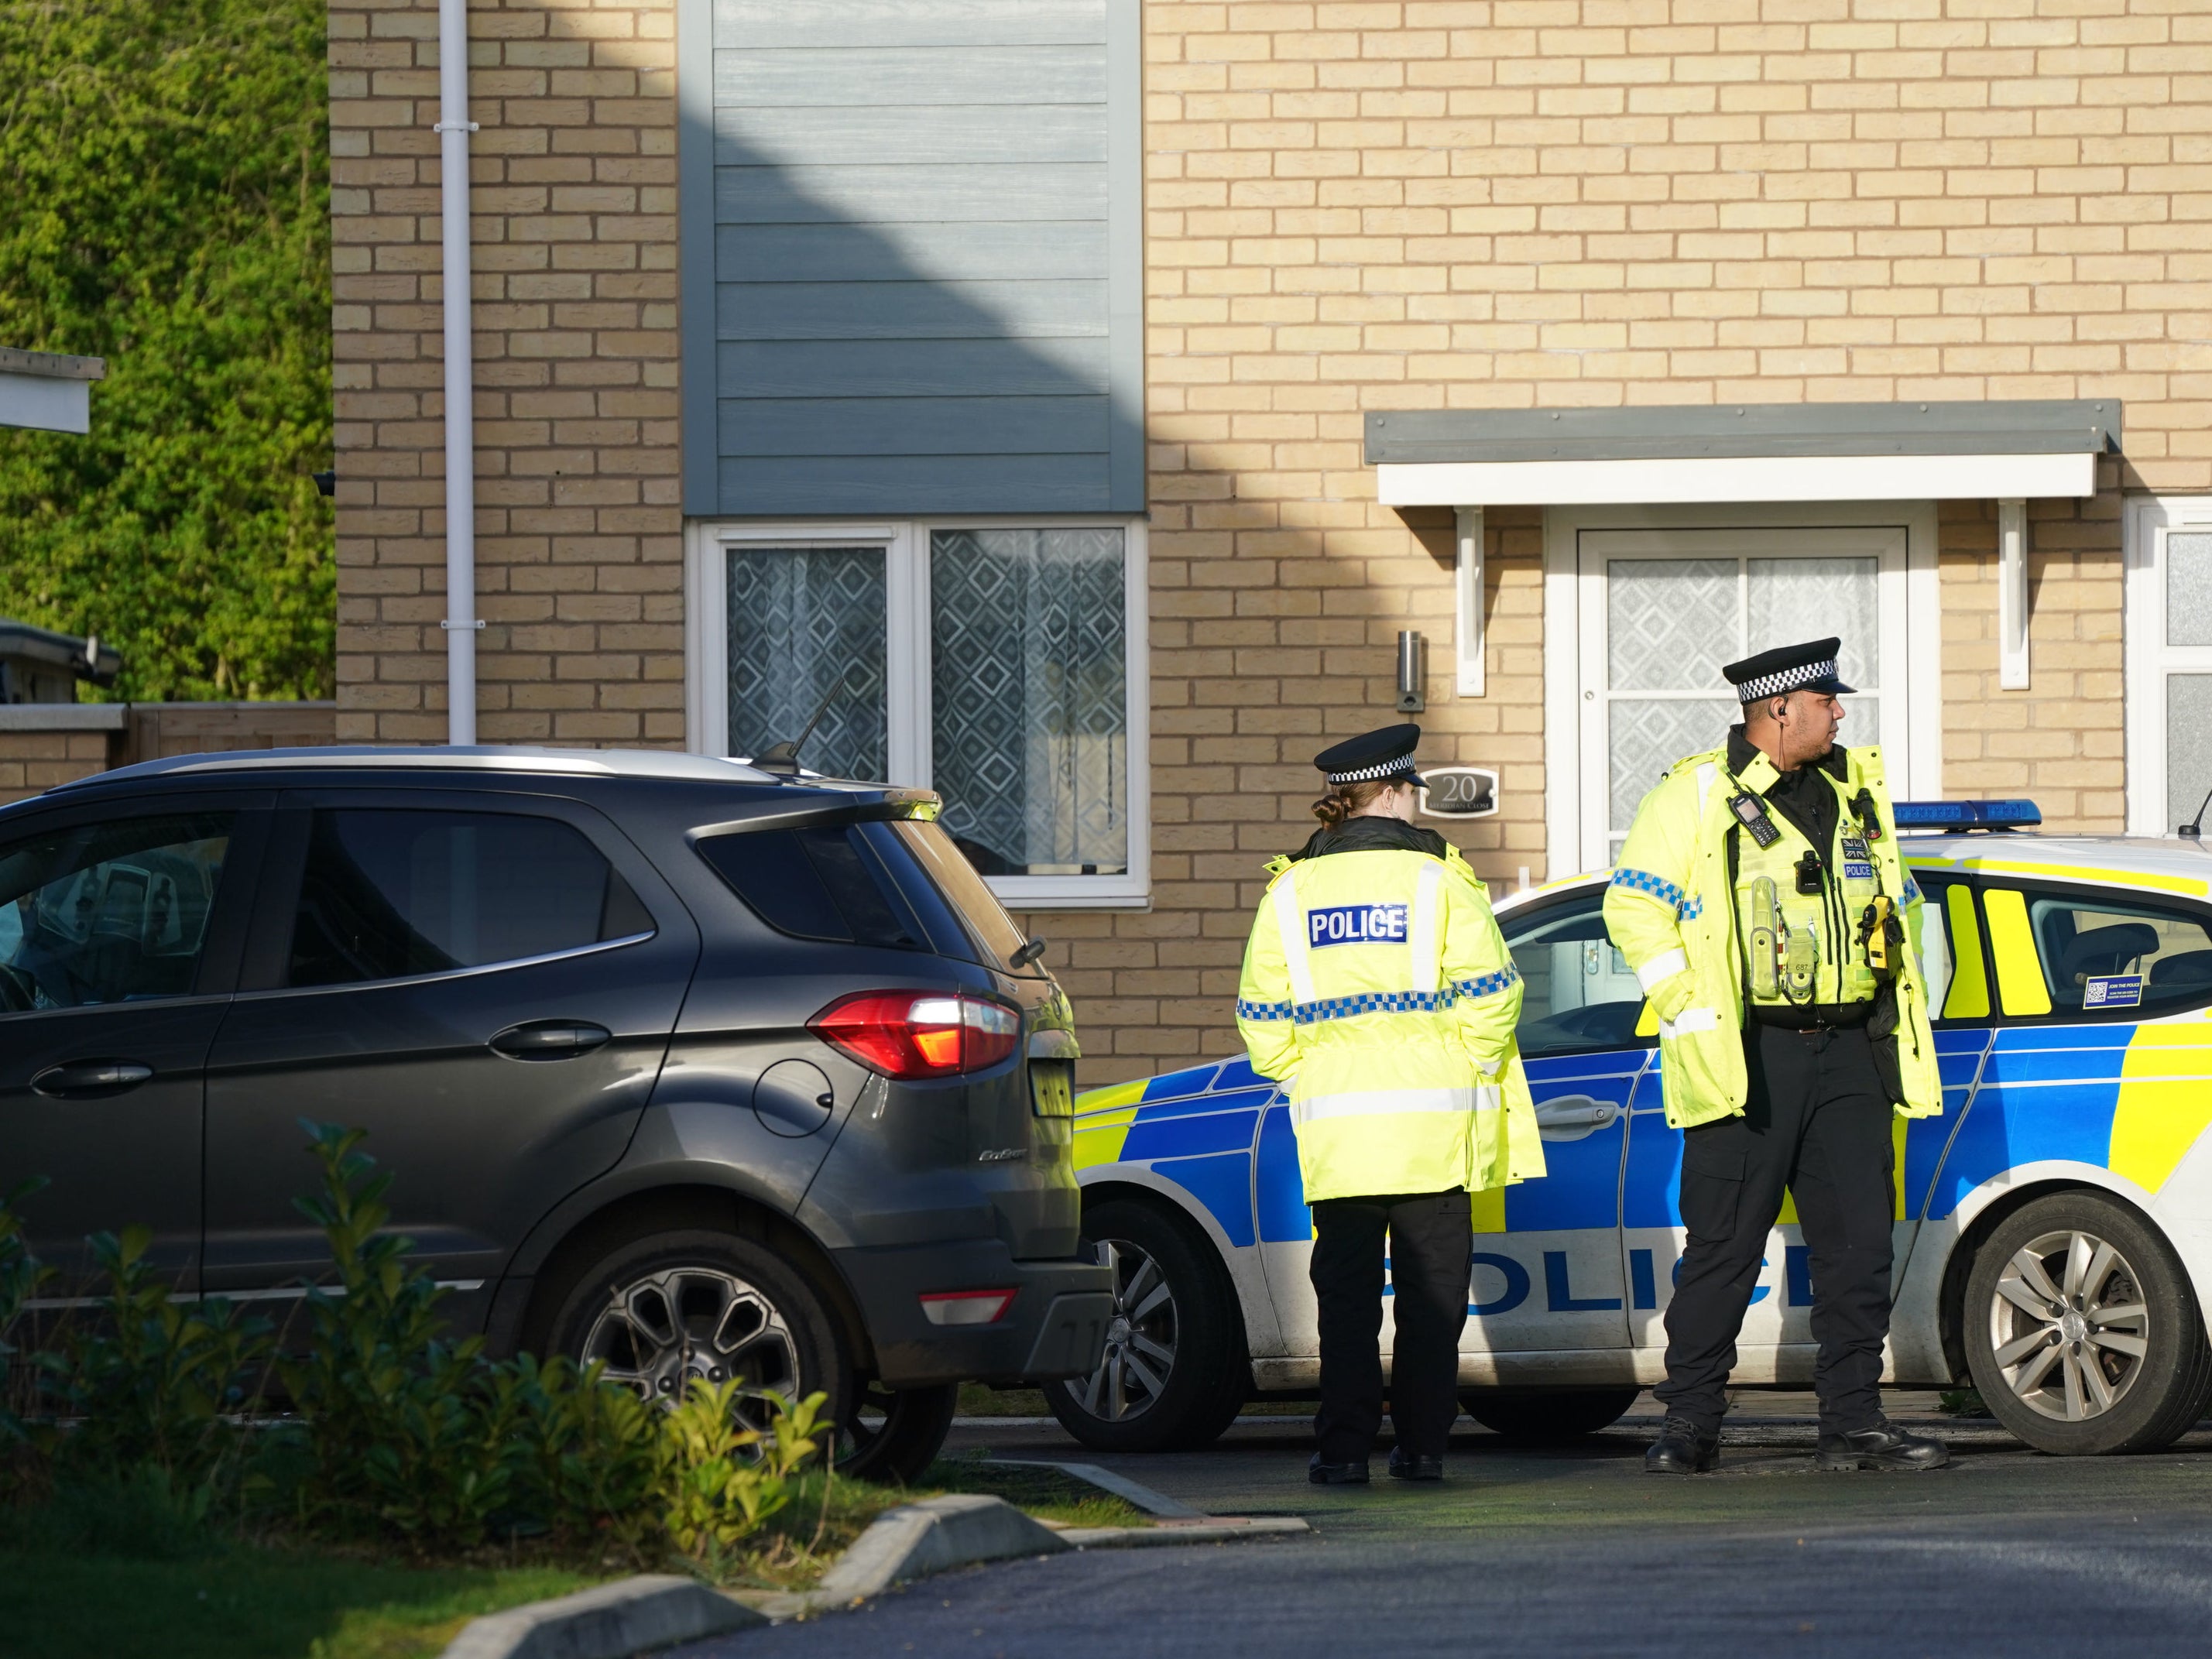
(1459, 792)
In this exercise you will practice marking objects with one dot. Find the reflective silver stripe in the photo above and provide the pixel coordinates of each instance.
(1428, 957)
(1290, 923)
(1691, 1021)
(1706, 775)
(1382, 1102)
(1660, 969)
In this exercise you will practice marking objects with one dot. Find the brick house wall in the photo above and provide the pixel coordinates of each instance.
(579, 533)
(1431, 204)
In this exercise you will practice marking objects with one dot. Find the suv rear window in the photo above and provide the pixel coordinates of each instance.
(816, 881)
(979, 909)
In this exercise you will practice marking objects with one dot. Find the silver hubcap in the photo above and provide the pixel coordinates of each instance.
(658, 1333)
(1140, 1338)
(2069, 1325)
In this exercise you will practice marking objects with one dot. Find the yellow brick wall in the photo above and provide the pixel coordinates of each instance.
(33, 760)
(1529, 204)
(579, 532)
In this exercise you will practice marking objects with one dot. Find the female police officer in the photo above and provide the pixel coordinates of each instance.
(1376, 981)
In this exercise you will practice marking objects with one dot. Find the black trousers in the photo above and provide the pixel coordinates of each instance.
(1431, 1237)
(1817, 1124)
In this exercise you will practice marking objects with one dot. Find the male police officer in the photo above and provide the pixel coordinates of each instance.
(1376, 980)
(1762, 903)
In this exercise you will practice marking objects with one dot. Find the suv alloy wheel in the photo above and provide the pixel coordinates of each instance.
(666, 1308)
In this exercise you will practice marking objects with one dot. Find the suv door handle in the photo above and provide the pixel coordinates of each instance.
(88, 1079)
(550, 1039)
(1574, 1117)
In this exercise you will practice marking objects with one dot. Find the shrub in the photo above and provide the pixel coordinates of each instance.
(718, 1496)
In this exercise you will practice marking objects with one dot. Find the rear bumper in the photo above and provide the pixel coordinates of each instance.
(1055, 1326)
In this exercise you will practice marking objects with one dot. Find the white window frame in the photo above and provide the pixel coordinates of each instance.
(2149, 658)
(906, 545)
(1575, 796)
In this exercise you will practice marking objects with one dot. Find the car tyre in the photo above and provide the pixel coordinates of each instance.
(664, 1308)
(2082, 1333)
(1175, 1369)
(1547, 1417)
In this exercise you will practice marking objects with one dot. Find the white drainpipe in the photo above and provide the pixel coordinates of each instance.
(453, 129)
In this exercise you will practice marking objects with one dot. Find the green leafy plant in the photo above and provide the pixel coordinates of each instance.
(595, 1473)
(725, 1479)
(20, 1274)
(154, 1383)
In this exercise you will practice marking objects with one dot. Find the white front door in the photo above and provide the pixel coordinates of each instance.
(1658, 610)
(2169, 657)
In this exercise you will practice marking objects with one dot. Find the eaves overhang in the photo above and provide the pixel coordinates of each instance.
(1743, 452)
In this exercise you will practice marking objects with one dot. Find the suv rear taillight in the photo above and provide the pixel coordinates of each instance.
(906, 1035)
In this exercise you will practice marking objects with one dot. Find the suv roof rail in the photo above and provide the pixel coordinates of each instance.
(482, 757)
(1935, 815)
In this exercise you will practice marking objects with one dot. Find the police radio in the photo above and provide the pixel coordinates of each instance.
(1751, 813)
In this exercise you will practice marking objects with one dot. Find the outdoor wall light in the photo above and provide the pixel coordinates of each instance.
(1410, 651)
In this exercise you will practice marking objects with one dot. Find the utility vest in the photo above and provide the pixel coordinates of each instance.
(1692, 895)
(1377, 983)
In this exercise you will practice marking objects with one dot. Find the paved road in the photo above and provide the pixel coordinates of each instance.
(1582, 1554)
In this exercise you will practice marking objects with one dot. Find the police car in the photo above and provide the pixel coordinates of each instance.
(2054, 1225)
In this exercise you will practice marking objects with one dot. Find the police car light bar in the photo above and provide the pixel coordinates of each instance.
(1967, 814)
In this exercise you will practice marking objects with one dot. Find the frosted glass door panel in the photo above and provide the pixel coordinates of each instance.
(2188, 588)
(2188, 742)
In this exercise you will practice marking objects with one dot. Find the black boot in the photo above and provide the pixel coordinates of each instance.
(1336, 1474)
(1682, 1447)
(1884, 1446)
(1416, 1467)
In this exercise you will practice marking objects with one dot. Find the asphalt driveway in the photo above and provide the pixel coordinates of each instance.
(1579, 1553)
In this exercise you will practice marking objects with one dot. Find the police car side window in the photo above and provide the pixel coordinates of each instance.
(1578, 991)
(2112, 955)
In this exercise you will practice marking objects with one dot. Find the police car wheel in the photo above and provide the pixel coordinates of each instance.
(1547, 1417)
(2082, 1333)
(1174, 1371)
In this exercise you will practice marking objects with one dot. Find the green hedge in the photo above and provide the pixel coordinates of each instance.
(167, 185)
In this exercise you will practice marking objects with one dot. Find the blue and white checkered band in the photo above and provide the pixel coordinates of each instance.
(1789, 679)
(1389, 768)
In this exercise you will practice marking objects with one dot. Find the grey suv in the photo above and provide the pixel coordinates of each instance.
(681, 1065)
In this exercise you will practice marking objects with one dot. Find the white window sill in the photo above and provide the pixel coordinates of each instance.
(1070, 893)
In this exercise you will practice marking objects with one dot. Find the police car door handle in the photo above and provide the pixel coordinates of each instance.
(1574, 1117)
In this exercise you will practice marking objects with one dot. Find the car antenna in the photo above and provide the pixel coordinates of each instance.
(783, 758)
(2194, 829)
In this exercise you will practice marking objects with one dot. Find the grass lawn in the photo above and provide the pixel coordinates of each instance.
(244, 1603)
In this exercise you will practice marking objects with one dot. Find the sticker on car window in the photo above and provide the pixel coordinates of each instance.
(2113, 991)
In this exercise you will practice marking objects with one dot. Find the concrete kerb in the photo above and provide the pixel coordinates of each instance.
(932, 1534)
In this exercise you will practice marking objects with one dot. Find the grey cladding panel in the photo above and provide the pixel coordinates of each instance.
(757, 81)
(908, 22)
(922, 484)
(913, 426)
(910, 368)
(949, 252)
(852, 135)
(908, 311)
(859, 198)
(916, 304)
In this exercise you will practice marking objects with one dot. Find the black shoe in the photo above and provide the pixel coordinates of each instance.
(1419, 1467)
(1885, 1446)
(1336, 1474)
(1682, 1447)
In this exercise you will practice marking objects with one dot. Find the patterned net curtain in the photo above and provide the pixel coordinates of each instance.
(800, 617)
(1029, 679)
(1670, 623)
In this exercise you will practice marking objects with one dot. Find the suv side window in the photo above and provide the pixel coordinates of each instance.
(2101, 953)
(113, 912)
(1578, 991)
(393, 893)
(816, 881)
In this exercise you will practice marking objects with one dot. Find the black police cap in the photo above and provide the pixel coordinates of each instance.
(1808, 667)
(1388, 753)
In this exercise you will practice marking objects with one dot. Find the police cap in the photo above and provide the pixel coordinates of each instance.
(1808, 667)
(1388, 753)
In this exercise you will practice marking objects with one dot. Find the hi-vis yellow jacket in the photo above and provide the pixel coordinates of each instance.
(1674, 914)
(1376, 981)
